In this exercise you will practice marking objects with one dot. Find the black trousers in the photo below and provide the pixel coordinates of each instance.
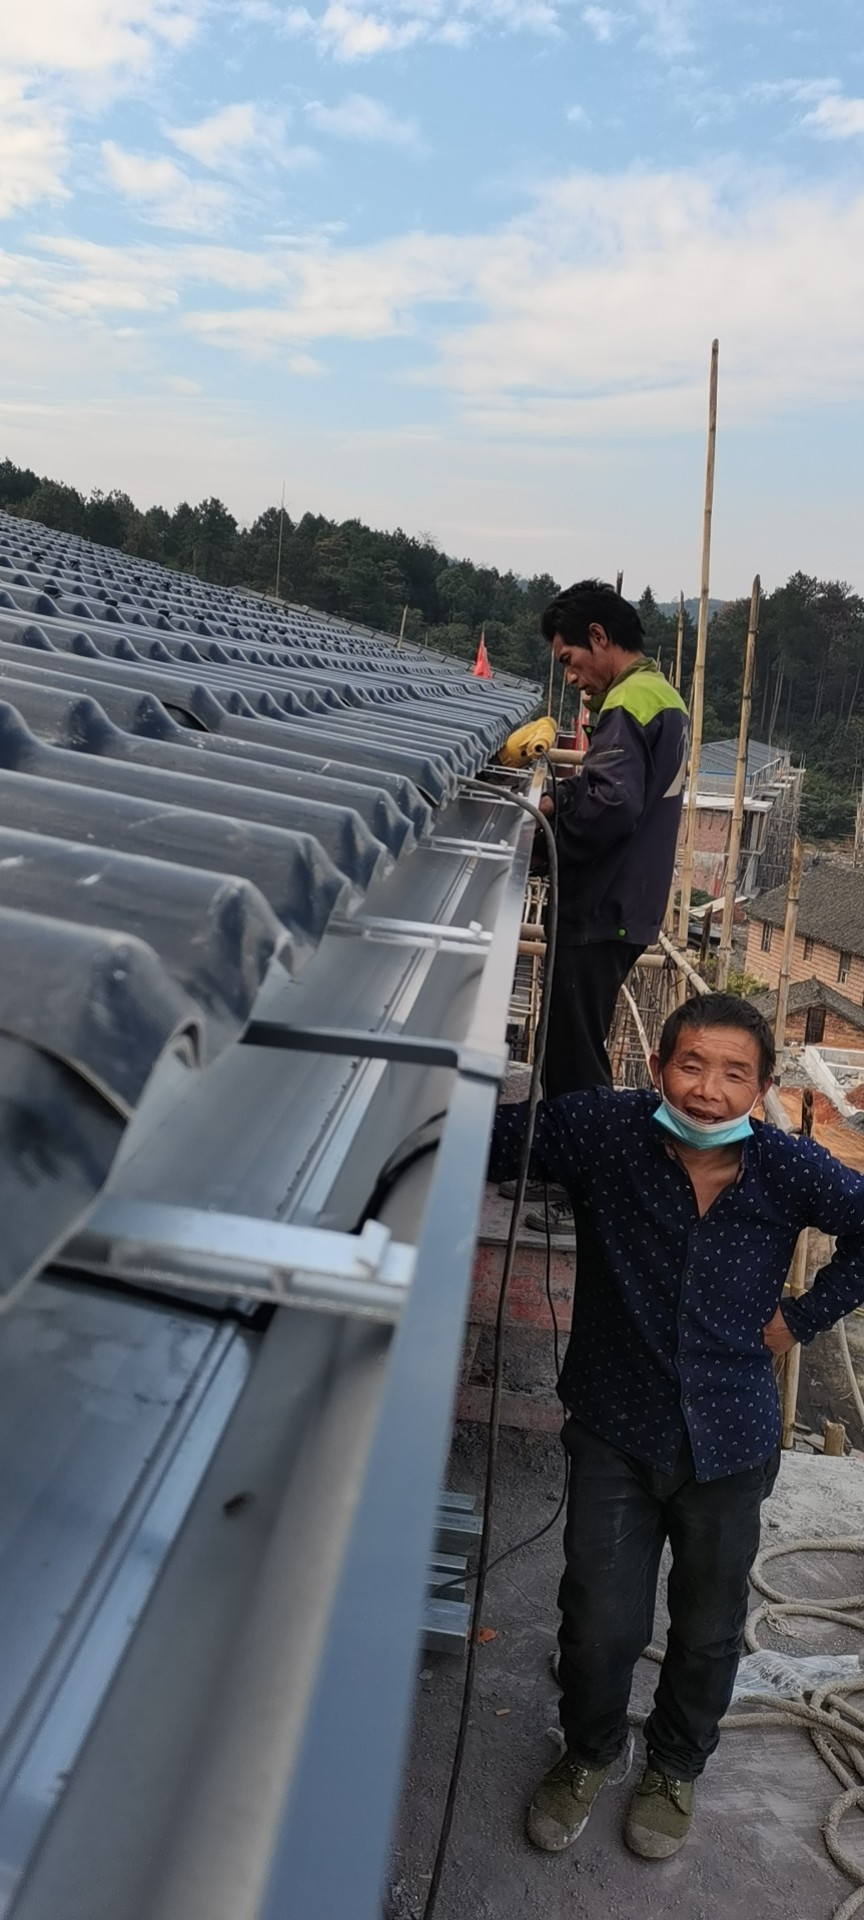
(585, 985)
(619, 1515)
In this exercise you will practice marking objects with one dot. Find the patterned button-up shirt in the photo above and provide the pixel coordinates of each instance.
(669, 1308)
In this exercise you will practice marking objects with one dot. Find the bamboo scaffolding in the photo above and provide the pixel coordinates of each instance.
(792, 898)
(679, 643)
(638, 1023)
(699, 668)
(724, 956)
(279, 548)
(795, 1286)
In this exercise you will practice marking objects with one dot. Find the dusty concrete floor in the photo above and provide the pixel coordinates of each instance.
(756, 1850)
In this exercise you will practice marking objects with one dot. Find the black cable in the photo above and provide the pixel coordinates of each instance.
(534, 1095)
(530, 1539)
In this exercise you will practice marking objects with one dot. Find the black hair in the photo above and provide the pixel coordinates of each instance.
(590, 603)
(720, 1010)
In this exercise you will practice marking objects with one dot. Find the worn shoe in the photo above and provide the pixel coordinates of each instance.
(560, 1218)
(562, 1803)
(660, 1815)
(535, 1190)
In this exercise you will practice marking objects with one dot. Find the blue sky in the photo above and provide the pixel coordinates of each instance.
(449, 264)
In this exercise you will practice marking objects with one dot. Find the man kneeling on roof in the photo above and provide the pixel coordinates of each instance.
(687, 1213)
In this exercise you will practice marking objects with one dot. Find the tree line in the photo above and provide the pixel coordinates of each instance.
(809, 662)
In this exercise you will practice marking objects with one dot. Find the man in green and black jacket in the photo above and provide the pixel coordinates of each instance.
(617, 826)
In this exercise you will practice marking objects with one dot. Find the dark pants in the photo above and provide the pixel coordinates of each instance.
(585, 986)
(619, 1515)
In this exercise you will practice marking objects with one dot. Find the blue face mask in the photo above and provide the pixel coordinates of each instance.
(701, 1133)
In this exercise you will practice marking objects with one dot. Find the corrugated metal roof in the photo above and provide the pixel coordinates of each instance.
(257, 925)
(193, 784)
(718, 758)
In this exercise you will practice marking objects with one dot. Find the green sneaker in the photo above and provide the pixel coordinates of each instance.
(562, 1803)
(660, 1815)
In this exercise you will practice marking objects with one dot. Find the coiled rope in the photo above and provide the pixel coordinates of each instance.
(834, 1724)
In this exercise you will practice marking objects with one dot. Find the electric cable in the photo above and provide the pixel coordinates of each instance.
(483, 1561)
(530, 1539)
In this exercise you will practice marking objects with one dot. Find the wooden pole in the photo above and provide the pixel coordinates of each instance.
(551, 678)
(835, 1439)
(724, 957)
(402, 628)
(792, 898)
(795, 1286)
(561, 701)
(636, 1018)
(699, 668)
(679, 643)
(279, 548)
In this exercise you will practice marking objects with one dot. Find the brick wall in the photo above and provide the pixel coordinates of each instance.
(810, 960)
(712, 829)
(838, 1033)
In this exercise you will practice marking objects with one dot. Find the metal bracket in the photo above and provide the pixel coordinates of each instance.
(475, 849)
(230, 1253)
(415, 933)
(404, 1049)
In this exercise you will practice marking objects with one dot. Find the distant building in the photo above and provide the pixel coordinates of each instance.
(772, 797)
(817, 1015)
(829, 942)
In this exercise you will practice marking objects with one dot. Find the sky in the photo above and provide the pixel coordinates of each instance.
(454, 265)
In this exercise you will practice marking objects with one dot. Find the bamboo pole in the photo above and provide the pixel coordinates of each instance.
(679, 643)
(551, 678)
(792, 898)
(699, 668)
(724, 956)
(402, 628)
(619, 583)
(561, 701)
(279, 548)
(835, 1439)
(795, 1286)
(636, 1018)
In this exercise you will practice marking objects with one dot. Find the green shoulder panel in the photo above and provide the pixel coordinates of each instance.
(644, 695)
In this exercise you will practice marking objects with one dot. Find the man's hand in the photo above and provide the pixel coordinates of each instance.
(547, 805)
(777, 1337)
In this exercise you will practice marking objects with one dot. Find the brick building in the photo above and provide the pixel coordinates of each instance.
(771, 798)
(829, 943)
(817, 1015)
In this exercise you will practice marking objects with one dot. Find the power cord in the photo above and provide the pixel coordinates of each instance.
(483, 1560)
(530, 1539)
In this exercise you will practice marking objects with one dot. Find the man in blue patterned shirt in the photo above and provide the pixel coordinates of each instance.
(687, 1213)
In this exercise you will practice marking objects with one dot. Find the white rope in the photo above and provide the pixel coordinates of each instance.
(834, 1724)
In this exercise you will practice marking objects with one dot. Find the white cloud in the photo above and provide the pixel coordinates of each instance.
(63, 58)
(837, 117)
(222, 136)
(589, 315)
(668, 25)
(229, 141)
(358, 117)
(578, 117)
(603, 22)
(33, 149)
(166, 195)
(87, 36)
(354, 33)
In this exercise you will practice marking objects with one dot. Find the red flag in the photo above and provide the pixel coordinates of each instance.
(481, 668)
